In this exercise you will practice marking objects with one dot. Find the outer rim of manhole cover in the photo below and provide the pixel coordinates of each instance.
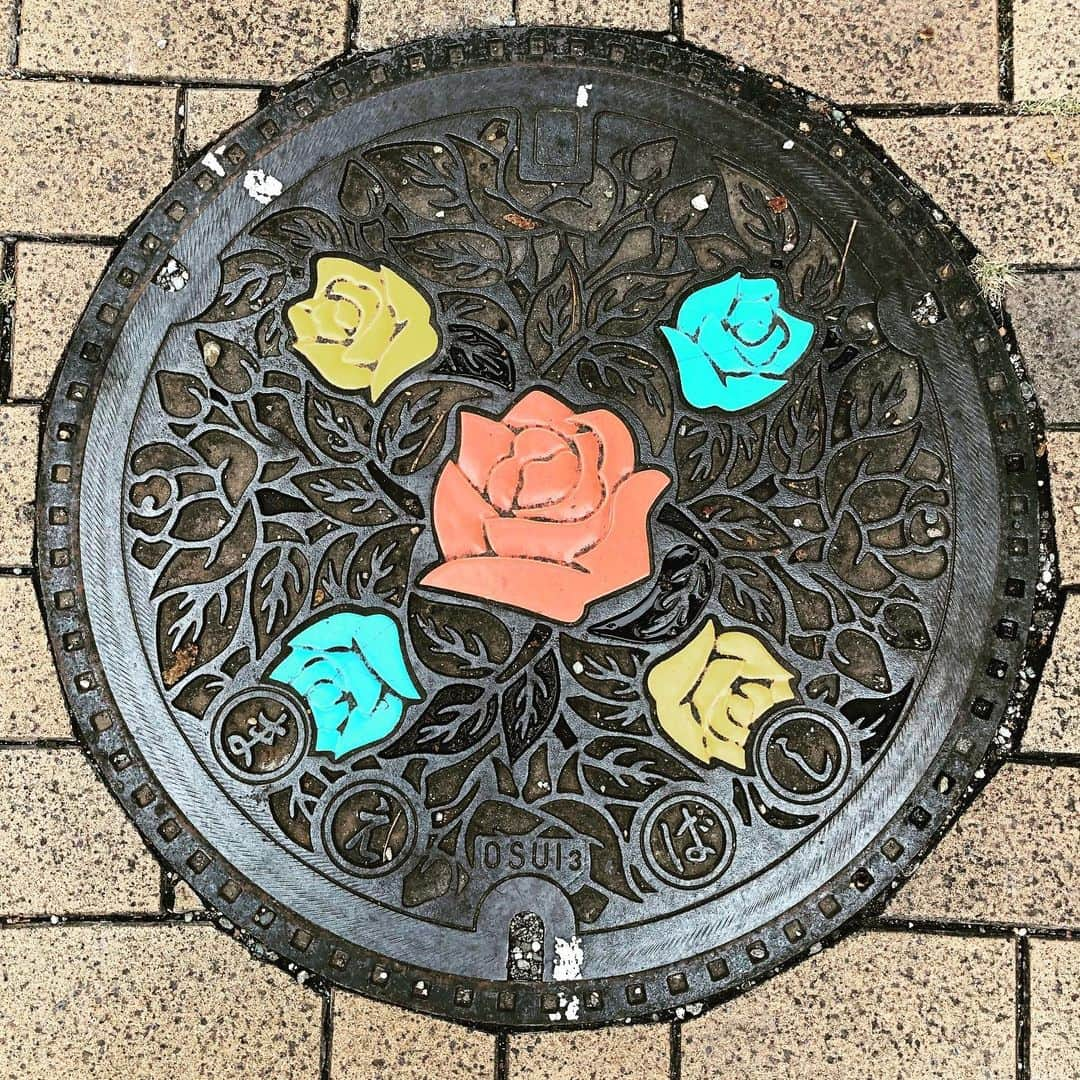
(1011, 653)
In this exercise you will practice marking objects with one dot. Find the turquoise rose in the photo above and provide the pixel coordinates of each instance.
(734, 343)
(351, 671)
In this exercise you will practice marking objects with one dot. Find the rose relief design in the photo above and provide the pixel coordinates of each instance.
(536, 508)
(362, 328)
(543, 510)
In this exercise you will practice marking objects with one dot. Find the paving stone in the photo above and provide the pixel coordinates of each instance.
(211, 113)
(1012, 857)
(381, 24)
(1055, 1009)
(260, 41)
(77, 158)
(641, 1052)
(1055, 718)
(31, 705)
(66, 847)
(1064, 448)
(1045, 310)
(640, 14)
(1009, 181)
(913, 50)
(18, 454)
(53, 283)
(1046, 48)
(185, 899)
(101, 1001)
(903, 1006)
(373, 1039)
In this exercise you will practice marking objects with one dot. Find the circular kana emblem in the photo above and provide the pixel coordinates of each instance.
(508, 535)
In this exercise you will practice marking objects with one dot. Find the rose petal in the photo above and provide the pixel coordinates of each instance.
(537, 409)
(619, 454)
(502, 484)
(587, 495)
(537, 443)
(558, 541)
(458, 513)
(550, 590)
(546, 481)
(409, 347)
(671, 679)
(483, 442)
(621, 555)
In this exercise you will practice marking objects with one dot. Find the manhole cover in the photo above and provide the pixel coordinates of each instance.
(541, 527)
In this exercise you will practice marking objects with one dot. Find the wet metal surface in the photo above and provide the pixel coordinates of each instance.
(542, 527)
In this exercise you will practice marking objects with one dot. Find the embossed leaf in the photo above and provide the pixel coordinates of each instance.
(739, 524)
(360, 193)
(477, 354)
(456, 719)
(797, 437)
(605, 852)
(206, 564)
(201, 520)
(858, 656)
(749, 592)
(279, 586)
(759, 227)
(339, 427)
(555, 315)
(716, 251)
(684, 206)
(874, 455)
(347, 495)
(877, 717)
(250, 281)
(683, 586)
(631, 768)
(235, 461)
(474, 308)
(427, 177)
(701, 452)
(648, 164)
(634, 379)
(457, 257)
(195, 625)
(610, 715)
(299, 231)
(413, 428)
(229, 365)
(747, 447)
(882, 392)
(903, 627)
(381, 566)
(814, 270)
(529, 704)
(611, 671)
(182, 395)
(428, 880)
(461, 642)
(628, 302)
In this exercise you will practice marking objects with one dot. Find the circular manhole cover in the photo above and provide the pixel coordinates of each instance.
(541, 527)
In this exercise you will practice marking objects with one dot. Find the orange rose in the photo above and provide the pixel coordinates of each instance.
(543, 510)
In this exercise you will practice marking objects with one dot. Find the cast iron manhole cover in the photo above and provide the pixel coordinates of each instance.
(541, 527)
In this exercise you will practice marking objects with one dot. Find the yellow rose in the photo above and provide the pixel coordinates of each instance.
(362, 327)
(710, 692)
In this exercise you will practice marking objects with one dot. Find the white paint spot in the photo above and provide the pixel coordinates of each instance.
(569, 956)
(700, 202)
(569, 1008)
(583, 95)
(211, 162)
(577, 667)
(789, 145)
(173, 276)
(261, 186)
